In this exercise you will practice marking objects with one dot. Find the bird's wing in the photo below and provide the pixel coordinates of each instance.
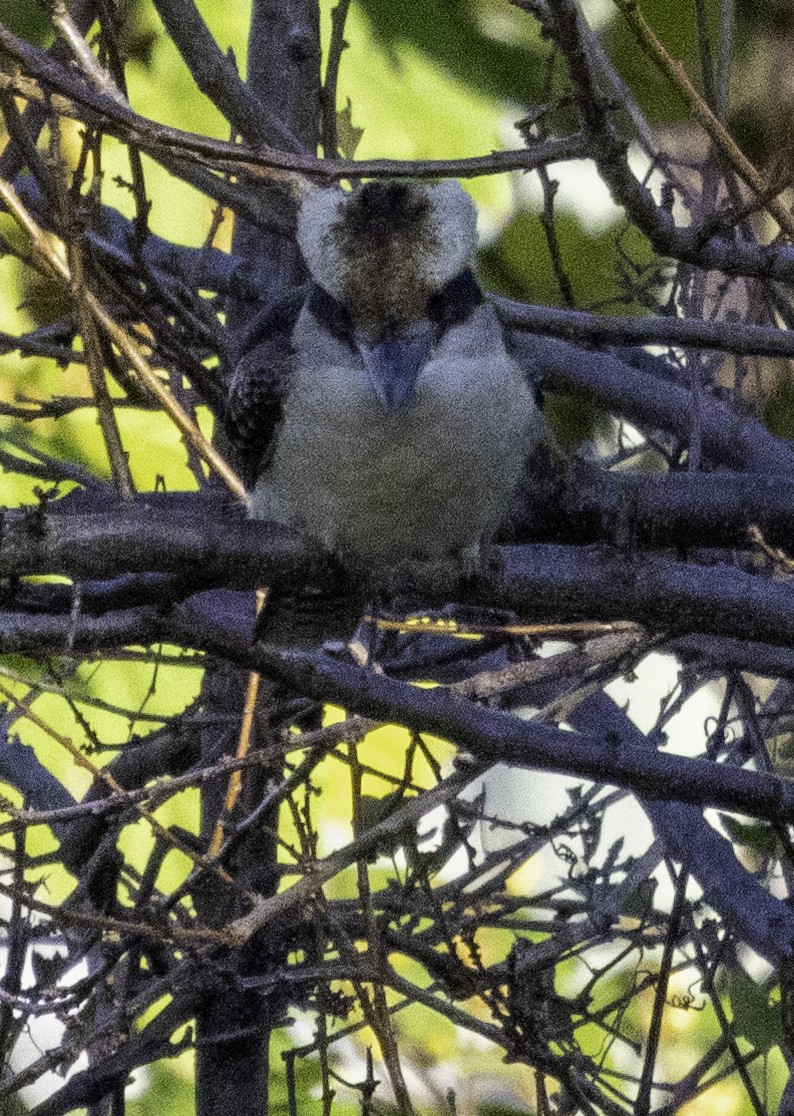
(260, 382)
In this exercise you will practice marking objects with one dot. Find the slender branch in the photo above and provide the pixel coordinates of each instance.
(96, 371)
(692, 244)
(679, 79)
(78, 99)
(741, 338)
(490, 737)
(324, 869)
(734, 440)
(153, 385)
(643, 1105)
(154, 793)
(725, 57)
(28, 344)
(103, 775)
(86, 58)
(335, 49)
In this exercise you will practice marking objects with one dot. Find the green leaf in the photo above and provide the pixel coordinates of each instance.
(640, 902)
(452, 36)
(754, 1018)
(758, 836)
(373, 809)
(676, 26)
(30, 21)
(519, 264)
(348, 135)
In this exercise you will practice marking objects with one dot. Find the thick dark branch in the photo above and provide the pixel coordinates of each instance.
(104, 595)
(85, 103)
(492, 736)
(729, 438)
(207, 547)
(216, 75)
(195, 538)
(740, 338)
(210, 547)
(167, 264)
(744, 904)
(594, 583)
(61, 634)
(20, 768)
(691, 244)
(23, 132)
(549, 584)
(544, 582)
(579, 502)
(284, 66)
(725, 654)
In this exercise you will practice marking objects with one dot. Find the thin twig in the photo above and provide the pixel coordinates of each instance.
(243, 747)
(86, 58)
(272, 163)
(106, 777)
(779, 557)
(373, 1000)
(44, 248)
(643, 1102)
(678, 77)
(323, 870)
(724, 58)
(119, 465)
(116, 69)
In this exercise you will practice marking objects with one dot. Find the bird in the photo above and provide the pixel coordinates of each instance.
(377, 408)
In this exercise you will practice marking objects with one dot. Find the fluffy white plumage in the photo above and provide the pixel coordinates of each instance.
(431, 479)
(438, 258)
(387, 451)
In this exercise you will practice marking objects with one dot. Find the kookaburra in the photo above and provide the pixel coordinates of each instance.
(380, 411)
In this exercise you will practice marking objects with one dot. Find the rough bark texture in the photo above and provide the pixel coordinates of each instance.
(233, 1028)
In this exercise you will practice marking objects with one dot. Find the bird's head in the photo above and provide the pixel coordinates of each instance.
(385, 252)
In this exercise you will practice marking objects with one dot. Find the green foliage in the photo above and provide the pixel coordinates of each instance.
(640, 904)
(758, 836)
(348, 135)
(29, 19)
(453, 36)
(403, 106)
(676, 25)
(519, 262)
(167, 1086)
(755, 1018)
(779, 405)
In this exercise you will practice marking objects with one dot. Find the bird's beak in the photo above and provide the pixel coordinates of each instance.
(393, 365)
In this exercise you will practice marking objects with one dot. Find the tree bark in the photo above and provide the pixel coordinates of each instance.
(233, 1028)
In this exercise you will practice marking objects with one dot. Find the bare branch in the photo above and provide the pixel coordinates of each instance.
(216, 76)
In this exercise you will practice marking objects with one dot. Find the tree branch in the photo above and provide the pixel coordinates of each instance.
(86, 103)
(729, 438)
(216, 76)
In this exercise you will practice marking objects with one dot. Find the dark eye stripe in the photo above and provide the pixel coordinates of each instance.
(455, 301)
